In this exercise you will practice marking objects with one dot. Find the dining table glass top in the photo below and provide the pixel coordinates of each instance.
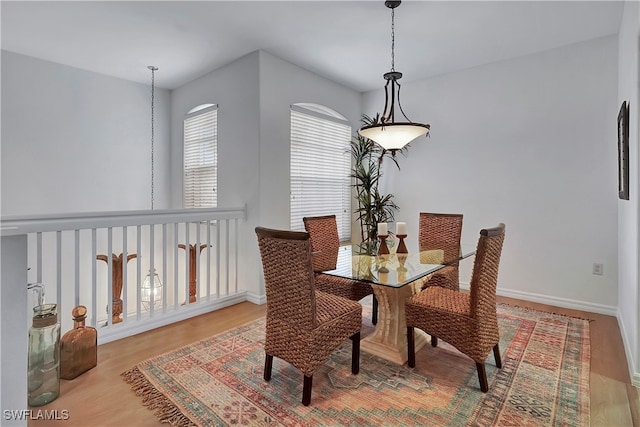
(393, 270)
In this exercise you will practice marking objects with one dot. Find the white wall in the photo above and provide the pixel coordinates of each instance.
(234, 88)
(77, 141)
(283, 84)
(254, 94)
(628, 233)
(529, 142)
(13, 330)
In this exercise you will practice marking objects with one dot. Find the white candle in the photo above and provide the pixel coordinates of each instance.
(401, 228)
(382, 229)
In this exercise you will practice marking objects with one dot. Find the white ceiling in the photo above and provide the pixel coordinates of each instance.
(346, 41)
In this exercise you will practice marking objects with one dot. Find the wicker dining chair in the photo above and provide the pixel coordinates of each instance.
(303, 325)
(468, 321)
(325, 243)
(442, 231)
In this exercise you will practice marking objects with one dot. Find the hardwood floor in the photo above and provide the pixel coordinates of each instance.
(101, 398)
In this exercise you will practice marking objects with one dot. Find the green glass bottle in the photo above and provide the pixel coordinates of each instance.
(43, 375)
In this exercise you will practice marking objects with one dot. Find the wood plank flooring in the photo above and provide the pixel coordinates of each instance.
(101, 398)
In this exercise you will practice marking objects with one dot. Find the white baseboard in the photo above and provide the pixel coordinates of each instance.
(635, 375)
(556, 301)
(635, 379)
(256, 299)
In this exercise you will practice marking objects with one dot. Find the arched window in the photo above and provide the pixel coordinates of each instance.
(201, 157)
(320, 166)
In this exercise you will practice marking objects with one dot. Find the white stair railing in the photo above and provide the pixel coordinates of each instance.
(103, 261)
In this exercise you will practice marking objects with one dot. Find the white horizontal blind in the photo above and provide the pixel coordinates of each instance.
(201, 158)
(320, 169)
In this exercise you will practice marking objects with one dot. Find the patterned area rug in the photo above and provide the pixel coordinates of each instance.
(218, 381)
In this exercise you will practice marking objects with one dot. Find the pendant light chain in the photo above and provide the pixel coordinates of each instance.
(153, 86)
(393, 40)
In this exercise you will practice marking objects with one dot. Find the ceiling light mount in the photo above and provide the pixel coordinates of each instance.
(393, 75)
(392, 4)
(384, 130)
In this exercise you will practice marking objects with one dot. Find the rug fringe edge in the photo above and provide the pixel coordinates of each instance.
(152, 398)
(525, 308)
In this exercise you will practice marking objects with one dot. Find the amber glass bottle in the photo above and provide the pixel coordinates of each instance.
(78, 347)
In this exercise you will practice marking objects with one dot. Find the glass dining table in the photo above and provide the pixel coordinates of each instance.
(394, 278)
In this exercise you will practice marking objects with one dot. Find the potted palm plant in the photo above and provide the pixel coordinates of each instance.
(373, 207)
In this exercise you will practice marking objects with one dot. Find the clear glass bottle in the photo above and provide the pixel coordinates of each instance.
(44, 356)
(78, 347)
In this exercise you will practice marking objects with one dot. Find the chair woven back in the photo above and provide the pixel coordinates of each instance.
(440, 231)
(288, 276)
(325, 241)
(484, 277)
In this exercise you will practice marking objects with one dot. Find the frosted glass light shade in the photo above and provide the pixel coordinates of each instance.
(394, 136)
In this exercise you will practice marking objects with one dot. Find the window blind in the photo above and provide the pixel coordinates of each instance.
(320, 169)
(201, 158)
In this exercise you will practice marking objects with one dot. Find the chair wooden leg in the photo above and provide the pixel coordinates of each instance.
(496, 355)
(306, 390)
(482, 376)
(374, 311)
(268, 363)
(355, 353)
(434, 341)
(411, 348)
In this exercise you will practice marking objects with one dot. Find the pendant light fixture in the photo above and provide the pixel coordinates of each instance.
(385, 130)
(151, 291)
